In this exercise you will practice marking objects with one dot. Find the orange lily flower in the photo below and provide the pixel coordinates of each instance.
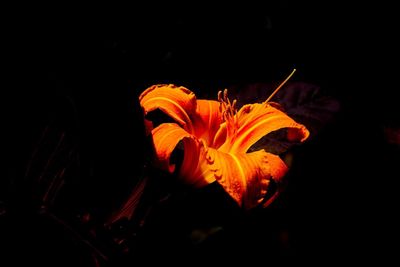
(216, 139)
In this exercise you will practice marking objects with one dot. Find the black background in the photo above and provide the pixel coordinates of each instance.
(341, 196)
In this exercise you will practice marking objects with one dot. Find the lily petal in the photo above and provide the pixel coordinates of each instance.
(246, 176)
(207, 120)
(177, 102)
(257, 120)
(166, 138)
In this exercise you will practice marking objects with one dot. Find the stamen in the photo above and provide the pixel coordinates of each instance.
(229, 112)
(280, 86)
(229, 108)
(234, 105)
(226, 95)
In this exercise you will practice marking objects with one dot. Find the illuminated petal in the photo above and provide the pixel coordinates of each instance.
(278, 171)
(257, 120)
(194, 169)
(207, 120)
(177, 102)
(166, 138)
(246, 176)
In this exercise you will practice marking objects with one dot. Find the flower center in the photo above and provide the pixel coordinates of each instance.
(229, 112)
